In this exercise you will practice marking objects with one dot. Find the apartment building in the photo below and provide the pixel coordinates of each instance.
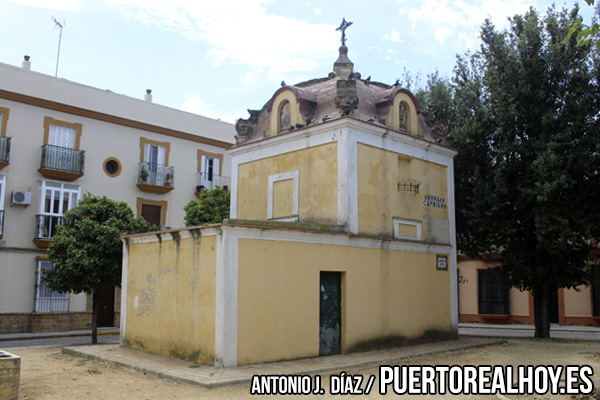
(60, 139)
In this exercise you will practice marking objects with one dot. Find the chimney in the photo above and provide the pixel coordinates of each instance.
(26, 63)
(148, 96)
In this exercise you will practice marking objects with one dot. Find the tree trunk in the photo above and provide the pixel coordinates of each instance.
(95, 317)
(541, 299)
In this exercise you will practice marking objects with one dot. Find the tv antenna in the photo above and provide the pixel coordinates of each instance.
(60, 26)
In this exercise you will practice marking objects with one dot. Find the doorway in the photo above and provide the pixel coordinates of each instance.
(330, 313)
(106, 307)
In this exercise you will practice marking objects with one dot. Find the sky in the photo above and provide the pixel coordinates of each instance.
(220, 58)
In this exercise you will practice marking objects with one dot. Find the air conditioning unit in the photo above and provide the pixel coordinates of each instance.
(20, 198)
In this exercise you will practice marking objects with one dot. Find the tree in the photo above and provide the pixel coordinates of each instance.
(87, 251)
(212, 207)
(525, 119)
(585, 34)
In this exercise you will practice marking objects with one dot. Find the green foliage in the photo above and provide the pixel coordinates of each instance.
(86, 250)
(436, 95)
(524, 116)
(585, 34)
(212, 207)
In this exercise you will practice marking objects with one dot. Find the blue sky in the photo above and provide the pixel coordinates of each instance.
(220, 58)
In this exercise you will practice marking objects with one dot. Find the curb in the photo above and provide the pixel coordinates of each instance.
(218, 380)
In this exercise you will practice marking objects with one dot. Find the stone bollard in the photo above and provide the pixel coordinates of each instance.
(10, 375)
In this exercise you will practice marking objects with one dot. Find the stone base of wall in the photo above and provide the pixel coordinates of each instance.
(49, 322)
(495, 319)
(44, 322)
(585, 321)
(10, 376)
(524, 319)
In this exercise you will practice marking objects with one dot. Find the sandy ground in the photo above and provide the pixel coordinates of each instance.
(46, 373)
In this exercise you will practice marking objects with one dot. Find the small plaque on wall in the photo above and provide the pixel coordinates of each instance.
(441, 263)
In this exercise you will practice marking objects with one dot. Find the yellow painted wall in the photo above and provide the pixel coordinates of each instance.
(317, 168)
(278, 297)
(379, 201)
(171, 298)
(283, 198)
(296, 116)
(467, 286)
(393, 119)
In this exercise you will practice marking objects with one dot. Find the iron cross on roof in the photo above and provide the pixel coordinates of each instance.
(345, 24)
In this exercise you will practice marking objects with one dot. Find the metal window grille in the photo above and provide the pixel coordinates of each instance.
(47, 300)
(156, 174)
(493, 292)
(62, 158)
(4, 149)
(207, 180)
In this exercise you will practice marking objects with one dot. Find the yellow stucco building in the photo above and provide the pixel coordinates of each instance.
(341, 237)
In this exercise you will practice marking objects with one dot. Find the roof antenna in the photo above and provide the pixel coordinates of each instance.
(60, 25)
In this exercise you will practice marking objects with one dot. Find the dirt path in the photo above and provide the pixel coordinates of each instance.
(49, 374)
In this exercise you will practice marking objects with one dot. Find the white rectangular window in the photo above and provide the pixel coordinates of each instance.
(47, 300)
(210, 174)
(55, 199)
(154, 156)
(62, 136)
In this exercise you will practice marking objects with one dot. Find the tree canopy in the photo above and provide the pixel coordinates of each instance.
(524, 115)
(585, 35)
(212, 207)
(86, 250)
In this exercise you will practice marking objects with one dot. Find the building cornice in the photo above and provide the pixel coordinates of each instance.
(338, 124)
(82, 112)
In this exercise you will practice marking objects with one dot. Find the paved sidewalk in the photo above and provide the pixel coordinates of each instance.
(185, 371)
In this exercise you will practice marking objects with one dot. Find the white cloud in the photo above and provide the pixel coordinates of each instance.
(442, 33)
(197, 106)
(59, 5)
(240, 32)
(394, 36)
(318, 11)
(460, 18)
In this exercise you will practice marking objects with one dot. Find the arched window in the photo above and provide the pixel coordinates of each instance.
(285, 116)
(403, 117)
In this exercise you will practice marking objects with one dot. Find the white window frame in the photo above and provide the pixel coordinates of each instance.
(56, 190)
(47, 300)
(155, 158)
(293, 175)
(417, 224)
(62, 136)
(207, 179)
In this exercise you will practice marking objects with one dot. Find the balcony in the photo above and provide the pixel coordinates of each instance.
(61, 162)
(155, 178)
(208, 181)
(4, 151)
(46, 228)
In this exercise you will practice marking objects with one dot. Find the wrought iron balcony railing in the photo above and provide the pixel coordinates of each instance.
(46, 225)
(62, 159)
(4, 149)
(208, 181)
(156, 174)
